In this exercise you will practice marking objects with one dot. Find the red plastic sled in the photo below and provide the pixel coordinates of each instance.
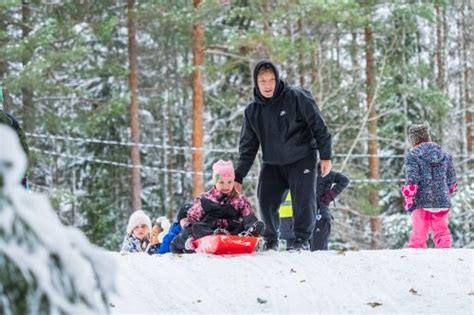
(226, 244)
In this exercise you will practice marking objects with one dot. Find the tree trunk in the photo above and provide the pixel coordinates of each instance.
(301, 62)
(372, 118)
(26, 92)
(404, 95)
(3, 63)
(376, 228)
(354, 57)
(354, 102)
(289, 63)
(468, 39)
(198, 104)
(315, 74)
(3, 42)
(439, 49)
(134, 121)
(338, 45)
(265, 12)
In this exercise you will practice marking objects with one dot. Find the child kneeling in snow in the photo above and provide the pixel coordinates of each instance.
(221, 210)
(430, 181)
(137, 239)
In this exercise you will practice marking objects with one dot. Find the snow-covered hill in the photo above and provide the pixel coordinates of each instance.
(359, 282)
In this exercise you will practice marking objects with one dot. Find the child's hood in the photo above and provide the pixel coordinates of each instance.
(430, 152)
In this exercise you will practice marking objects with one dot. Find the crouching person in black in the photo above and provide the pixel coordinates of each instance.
(328, 188)
(221, 210)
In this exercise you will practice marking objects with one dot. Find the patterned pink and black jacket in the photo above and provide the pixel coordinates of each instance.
(430, 178)
(239, 203)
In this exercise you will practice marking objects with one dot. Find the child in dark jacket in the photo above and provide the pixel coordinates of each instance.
(327, 189)
(137, 239)
(430, 182)
(175, 229)
(221, 210)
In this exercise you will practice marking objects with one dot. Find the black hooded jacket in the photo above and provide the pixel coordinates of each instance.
(288, 126)
(329, 186)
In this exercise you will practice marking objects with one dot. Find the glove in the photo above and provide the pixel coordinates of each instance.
(328, 197)
(409, 191)
(256, 229)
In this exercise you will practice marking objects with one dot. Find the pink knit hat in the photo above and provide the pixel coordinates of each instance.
(222, 169)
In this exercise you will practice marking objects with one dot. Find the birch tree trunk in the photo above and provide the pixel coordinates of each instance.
(3, 63)
(26, 92)
(439, 49)
(468, 38)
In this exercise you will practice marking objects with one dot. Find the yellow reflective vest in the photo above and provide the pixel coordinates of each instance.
(286, 211)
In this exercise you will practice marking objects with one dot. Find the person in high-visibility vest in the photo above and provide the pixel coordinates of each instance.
(286, 221)
(328, 188)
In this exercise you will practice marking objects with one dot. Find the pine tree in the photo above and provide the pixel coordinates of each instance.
(45, 268)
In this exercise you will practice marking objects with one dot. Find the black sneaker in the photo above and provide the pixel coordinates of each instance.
(271, 245)
(256, 229)
(300, 244)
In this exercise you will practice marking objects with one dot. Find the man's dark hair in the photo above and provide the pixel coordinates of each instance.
(265, 68)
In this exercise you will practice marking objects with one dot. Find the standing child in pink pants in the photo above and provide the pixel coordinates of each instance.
(430, 181)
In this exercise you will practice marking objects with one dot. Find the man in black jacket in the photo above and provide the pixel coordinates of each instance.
(285, 121)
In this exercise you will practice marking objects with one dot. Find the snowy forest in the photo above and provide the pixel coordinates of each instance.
(126, 104)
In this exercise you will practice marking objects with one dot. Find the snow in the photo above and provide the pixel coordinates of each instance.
(61, 266)
(406, 281)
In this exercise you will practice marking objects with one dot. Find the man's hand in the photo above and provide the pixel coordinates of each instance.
(325, 167)
(238, 187)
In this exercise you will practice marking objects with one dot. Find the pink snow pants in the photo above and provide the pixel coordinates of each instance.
(422, 221)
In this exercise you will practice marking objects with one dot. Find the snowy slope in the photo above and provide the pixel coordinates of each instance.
(403, 281)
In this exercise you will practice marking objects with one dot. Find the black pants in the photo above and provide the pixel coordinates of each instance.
(177, 244)
(321, 232)
(300, 177)
(286, 231)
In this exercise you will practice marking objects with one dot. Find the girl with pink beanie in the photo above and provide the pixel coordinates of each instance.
(221, 210)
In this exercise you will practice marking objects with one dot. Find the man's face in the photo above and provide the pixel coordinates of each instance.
(266, 83)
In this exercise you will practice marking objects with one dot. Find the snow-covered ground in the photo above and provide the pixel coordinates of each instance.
(403, 281)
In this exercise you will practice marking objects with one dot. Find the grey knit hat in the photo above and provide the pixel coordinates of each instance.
(418, 134)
